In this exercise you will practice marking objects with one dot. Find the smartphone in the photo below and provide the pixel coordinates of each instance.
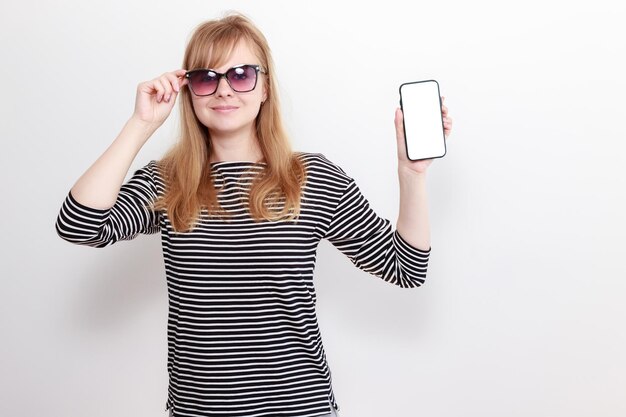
(420, 102)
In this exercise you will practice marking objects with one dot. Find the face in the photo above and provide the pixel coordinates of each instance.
(226, 112)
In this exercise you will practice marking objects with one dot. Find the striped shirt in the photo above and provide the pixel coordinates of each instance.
(242, 332)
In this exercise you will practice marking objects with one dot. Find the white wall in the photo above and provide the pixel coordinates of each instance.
(523, 310)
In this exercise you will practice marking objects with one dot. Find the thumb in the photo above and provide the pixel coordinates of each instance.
(399, 122)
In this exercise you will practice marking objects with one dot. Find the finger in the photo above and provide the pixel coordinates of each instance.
(180, 75)
(399, 124)
(167, 84)
(174, 81)
(146, 87)
(447, 127)
(160, 89)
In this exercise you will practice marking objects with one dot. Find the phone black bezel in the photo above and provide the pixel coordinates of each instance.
(406, 146)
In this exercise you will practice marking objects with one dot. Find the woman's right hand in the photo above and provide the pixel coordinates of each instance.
(155, 98)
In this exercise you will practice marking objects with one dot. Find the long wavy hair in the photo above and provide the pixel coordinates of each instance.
(275, 192)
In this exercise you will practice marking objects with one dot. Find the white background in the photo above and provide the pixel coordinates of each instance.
(523, 311)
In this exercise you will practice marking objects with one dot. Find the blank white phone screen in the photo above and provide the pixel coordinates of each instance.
(423, 127)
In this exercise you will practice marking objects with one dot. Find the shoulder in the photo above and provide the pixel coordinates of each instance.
(149, 175)
(150, 170)
(319, 165)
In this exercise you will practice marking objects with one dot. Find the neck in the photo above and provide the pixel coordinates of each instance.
(236, 146)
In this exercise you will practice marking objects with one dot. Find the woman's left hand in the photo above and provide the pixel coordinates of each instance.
(405, 163)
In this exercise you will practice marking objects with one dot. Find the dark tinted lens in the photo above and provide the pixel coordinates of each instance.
(203, 82)
(242, 79)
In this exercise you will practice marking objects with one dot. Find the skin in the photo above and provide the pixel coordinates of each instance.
(234, 139)
(230, 116)
(413, 222)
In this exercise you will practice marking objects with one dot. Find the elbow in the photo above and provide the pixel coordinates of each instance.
(396, 271)
(69, 232)
(411, 282)
(412, 277)
(82, 225)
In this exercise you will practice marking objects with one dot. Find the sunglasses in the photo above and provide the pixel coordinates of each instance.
(241, 78)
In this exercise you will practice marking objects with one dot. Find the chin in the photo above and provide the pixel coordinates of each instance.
(228, 128)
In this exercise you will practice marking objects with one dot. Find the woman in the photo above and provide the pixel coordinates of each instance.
(240, 217)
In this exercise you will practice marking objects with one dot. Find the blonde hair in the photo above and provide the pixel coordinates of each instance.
(185, 167)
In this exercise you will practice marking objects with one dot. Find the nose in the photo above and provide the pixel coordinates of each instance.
(223, 88)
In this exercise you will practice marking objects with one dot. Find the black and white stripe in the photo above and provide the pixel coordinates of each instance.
(243, 337)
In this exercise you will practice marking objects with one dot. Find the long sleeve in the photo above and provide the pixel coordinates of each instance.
(370, 243)
(129, 216)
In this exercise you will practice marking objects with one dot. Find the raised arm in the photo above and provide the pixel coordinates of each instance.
(98, 187)
(413, 223)
(370, 242)
(100, 210)
(398, 256)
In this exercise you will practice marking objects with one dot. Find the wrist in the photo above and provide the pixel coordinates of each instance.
(140, 129)
(408, 174)
(140, 125)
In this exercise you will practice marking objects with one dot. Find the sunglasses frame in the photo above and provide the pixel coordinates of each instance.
(257, 69)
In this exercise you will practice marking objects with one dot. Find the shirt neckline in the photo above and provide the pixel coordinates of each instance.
(237, 163)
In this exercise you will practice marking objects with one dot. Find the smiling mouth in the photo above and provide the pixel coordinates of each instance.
(224, 109)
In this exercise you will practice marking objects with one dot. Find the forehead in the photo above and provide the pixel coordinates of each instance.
(241, 53)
